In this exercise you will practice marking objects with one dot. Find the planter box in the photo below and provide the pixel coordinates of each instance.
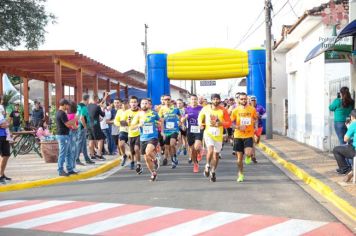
(49, 151)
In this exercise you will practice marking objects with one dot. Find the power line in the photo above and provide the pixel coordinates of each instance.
(243, 37)
(274, 15)
(292, 8)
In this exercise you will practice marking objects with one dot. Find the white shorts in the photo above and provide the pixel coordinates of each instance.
(211, 142)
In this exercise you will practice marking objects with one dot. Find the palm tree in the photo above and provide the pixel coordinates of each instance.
(9, 97)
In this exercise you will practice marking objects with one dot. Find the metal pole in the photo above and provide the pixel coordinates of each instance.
(145, 51)
(269, 128)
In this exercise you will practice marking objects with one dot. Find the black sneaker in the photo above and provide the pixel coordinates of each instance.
(2, 180)
(90, 162)
(123, 161)
(212, 177)
(139, 169)
(234, 153)
(132, 165)
(165, 162)
(6, 178)
(101, 158)
(153, 177)
(207, 171)
(63, 173)
(254, 160)
(190, 161)
(93, 157)
(72, 173)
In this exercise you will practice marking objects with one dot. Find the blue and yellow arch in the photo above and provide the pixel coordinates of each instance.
(206, 64)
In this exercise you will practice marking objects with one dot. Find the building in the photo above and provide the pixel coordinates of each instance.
(312, 85)
(176, 92)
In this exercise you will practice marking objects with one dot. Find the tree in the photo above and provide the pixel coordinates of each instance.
(23, 21)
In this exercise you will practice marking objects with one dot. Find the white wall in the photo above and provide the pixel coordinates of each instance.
(280, 93)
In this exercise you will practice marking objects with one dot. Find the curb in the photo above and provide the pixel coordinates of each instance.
(313, 182)
(63, 179)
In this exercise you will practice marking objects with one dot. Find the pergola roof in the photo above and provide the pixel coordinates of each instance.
(39, 65)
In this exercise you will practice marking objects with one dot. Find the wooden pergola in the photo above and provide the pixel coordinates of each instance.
(63, 68)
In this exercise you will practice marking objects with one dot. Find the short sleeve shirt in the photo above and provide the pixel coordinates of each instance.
(351, 133)
(192, 119)
(61, 119)
(148, 121)
(171, 119)
(128, 116)
(244, 116)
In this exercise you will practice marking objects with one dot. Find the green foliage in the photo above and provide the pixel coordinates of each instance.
(52, 116)
(8, 98)
(23, 21)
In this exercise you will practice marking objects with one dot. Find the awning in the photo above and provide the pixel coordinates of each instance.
(348, 30)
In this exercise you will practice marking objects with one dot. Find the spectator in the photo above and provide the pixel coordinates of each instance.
(3, 119)
(341, 107)
(37, 115)
(73, 134)
(115, 129)
(104, 125)
(15, 118)
(4, 152)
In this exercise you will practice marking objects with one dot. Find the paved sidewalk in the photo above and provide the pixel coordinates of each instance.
(319, 164)
(31, 167)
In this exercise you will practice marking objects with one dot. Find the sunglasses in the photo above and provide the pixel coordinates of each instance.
(243, 99)
(166, 99)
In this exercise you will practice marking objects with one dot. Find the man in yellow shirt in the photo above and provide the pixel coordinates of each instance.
(245, 117)
(123, 136)
(214, 118)
(133, 133)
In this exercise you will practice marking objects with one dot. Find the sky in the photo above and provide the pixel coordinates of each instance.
(111, 31)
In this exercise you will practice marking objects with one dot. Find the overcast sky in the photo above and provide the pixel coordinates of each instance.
(111, 31)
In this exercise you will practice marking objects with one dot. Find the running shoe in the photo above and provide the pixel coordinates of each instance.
(176, 160)
(234, 153)
(247, 160)
(254, 160)
(2, 180)
(220, 156)
(153, 176)
(212, 177)
(139, 169)
(190, 160)
(207, 171)
(165, 162)
(132, 165)
(156, 163)
(240, 178)
(199, 156)
(173, 165)
(6, 178)
(196, 168)
(101, 158)
(185, 151)
(179, 151)
(123, 161)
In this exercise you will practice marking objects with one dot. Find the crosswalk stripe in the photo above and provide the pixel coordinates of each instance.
(200, 225)
(158, 223)
(331, 229)
(27, 224)
(30, 208)
(290, 228)
(106, 225)
(68, 224)
(9, 202)
(19, 204)
(42, 212)
(246, 225)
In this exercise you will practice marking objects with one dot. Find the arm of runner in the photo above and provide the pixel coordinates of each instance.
(226, 122)
(201, 119)
(117, 119)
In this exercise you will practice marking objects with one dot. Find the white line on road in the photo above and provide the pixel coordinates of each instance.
(10, 202)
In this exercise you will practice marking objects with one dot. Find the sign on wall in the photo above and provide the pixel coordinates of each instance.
(208, 83)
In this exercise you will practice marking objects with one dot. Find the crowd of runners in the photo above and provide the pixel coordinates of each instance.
(157, 135)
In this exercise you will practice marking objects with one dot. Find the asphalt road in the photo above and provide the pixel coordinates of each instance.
(265, 191)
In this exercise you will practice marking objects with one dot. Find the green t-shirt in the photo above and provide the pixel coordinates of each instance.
(351, 133)
(82, 110)
(340, 112)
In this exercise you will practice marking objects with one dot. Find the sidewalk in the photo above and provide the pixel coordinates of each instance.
(315, 163)
(31, 167)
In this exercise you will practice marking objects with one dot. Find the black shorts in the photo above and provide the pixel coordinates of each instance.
(135, 141)
(167, 141)
(191, 137)
(95, 133)
(144, 144)
(229, 131)
(183, 132)
(124, 136)
(241, 143)
(4, 147)
(160, 139)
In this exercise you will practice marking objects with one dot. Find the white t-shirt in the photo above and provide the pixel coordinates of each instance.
(2, 113)
(107, 116)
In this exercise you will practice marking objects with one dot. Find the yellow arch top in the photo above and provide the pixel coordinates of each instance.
(207, 63)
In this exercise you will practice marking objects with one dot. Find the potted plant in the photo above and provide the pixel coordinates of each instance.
(49, 144)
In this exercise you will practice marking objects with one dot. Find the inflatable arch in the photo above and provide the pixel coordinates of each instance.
(207, 64)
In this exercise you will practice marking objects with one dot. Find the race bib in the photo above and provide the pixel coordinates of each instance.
(214, 131)
(245, 121)
(169, 125)
(147, 129)
(195, 129)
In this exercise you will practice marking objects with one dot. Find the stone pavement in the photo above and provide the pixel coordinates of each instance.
(31, 167)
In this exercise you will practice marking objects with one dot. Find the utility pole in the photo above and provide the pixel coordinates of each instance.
(269, 127)
(144, 45)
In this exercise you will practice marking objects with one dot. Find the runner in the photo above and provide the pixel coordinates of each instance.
(123, 136)
(261, 111)
(160, 138)
(194, 133)
(133, 134)
(182, 139)
(147, 120)
(245, 117)
(170, 127)
(215, 118)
